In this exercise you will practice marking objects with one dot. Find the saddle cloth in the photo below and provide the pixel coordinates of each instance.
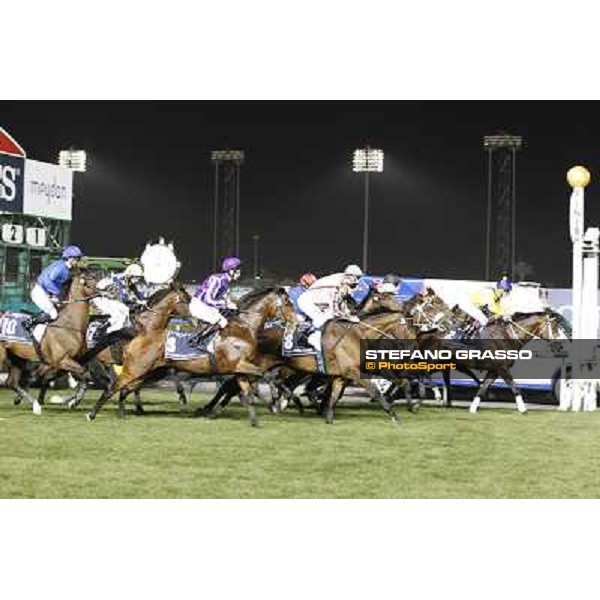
(295, 343)
(12, 328)
(179, 334)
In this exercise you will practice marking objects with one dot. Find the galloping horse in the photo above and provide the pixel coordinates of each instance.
(153, 319)
(519, 329)
(62, 345)
(235, 349)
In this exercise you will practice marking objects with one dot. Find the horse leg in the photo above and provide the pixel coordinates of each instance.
(180, 389)
(446, 396)
(483, 388)
(413, 405)
(247, 399)
(13, 382)
(375, 392)
(228, 387)
(336, 389)
(138, 408)
(521, 406)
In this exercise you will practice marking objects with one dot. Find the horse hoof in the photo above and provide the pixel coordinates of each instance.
(16, 400)
(90, 417)
(137, 410)
(37, 409)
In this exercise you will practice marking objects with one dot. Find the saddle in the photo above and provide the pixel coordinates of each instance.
(202, 335)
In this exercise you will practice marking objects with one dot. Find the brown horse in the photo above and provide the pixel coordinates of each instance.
(235, 349)
(284, 375)
(63, 343)
(153, 319)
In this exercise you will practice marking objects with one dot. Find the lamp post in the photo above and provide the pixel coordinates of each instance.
(586, 248)
(76, 161)
(226, 211)
(367, 160)
(256, 241)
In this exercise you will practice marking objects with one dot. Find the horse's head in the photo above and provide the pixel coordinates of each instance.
(83, 284)
(430, 312)
(269, 303)
(376, 301)
(546, 325)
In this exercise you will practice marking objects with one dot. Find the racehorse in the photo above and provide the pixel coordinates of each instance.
(109, 351)
(282, 378)
(63, 343)
(235, 349)
(519, 329)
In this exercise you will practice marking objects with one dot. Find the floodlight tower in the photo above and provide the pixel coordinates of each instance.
(500, 248)
(367, 160)
(226, 215)
(76, 161)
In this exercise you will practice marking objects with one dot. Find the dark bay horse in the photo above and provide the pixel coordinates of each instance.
(235, 349)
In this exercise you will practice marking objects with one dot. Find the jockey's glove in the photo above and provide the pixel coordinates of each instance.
(353, 319)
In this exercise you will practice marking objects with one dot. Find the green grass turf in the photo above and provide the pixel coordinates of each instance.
(437, 453)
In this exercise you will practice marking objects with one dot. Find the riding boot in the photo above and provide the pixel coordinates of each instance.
(30, 325)
(204, 332)
(38, 319)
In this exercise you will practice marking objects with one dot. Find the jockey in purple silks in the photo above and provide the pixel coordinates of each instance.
(213, 294)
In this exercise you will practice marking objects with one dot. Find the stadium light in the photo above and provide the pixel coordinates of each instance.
(76, 160)
(233, 160)
(367, 160)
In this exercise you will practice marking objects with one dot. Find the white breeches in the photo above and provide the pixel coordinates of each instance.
(317, 315)
(117, 311)
(42, 301)
(206, 313)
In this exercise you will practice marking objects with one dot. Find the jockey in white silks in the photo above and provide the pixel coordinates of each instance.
(117, 293)
(326, 299)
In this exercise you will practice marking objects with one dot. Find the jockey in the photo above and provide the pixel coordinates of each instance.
(50, 284)
(327, 298)
(389, 285)
(294, 293)
(504, 286)
(297, 290)
(117, 293)
(212, 295)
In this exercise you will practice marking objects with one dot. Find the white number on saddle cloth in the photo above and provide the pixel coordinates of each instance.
(171, 344)
(8, 326)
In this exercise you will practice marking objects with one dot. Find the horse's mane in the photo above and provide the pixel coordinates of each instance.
(254, 296)
(158, 296)
(526, 315)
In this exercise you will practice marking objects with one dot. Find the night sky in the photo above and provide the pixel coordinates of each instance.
(150, 174)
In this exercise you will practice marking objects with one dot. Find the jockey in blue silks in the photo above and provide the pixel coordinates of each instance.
(46, 292)
(505, 284)
(296, 291)
(212, 295)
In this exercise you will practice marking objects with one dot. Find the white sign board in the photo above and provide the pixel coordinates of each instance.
(35, 236)
(576, 215)
(48, 190)
(12, 234)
